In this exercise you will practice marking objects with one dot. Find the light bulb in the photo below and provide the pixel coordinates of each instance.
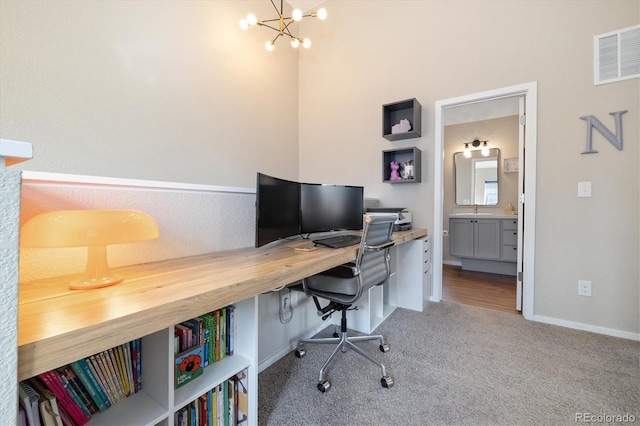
(296, 15)
(244, 24)
(251, 19)
(485, 150)
(295, 42)
(306, 43)
(269, 45)
(467, 151)
(322, 14)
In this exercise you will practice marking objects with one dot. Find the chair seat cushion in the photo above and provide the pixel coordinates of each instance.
(339, 280)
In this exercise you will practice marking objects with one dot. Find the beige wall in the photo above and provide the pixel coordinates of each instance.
(173, 91)
(163, 90)
(502, 133)
(435, 50)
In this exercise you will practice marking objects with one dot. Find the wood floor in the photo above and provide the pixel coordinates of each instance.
(489, 291)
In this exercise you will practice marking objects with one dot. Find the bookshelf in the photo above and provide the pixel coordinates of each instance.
(58, 326)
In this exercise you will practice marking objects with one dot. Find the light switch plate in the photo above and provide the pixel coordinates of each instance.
(584, 189)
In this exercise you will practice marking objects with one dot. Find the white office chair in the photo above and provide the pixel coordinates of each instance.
(343, 285)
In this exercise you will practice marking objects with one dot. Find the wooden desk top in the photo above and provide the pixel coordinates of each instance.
(57, 326)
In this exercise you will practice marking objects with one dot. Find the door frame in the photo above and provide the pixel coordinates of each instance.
(527, 207)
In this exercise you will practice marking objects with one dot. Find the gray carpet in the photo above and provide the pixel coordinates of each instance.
(460, 365)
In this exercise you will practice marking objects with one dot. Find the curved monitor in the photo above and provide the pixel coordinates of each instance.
(330, 207)
(277, 209)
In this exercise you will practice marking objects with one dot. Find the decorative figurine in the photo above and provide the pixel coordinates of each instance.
(394, 171)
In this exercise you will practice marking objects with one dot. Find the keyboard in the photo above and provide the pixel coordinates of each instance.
(338, 241)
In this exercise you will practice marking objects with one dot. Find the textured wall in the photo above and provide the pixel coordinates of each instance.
(9, 220)
(190, 221)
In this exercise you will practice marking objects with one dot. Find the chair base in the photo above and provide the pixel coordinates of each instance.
(344, 342)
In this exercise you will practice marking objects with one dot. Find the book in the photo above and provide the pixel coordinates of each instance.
(183, 332)
(84, 374)
(242, 398)
(78, 389)
(98, 368)
(223, 333)
(112, 366)
(231, 402)
(126, 350)
(220, 403)
(188, 366)
(231, 328)
(216, 315)
(49, 412)
(108, 376)
(139, 363)
(94, 366)
(122, 370)
(29, 402)
(66, 403)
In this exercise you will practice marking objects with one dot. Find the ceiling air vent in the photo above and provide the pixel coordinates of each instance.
(616, 55)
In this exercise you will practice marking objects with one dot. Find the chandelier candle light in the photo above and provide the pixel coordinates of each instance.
(283, 24)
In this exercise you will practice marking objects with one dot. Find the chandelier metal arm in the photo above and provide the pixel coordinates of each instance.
(284, 22)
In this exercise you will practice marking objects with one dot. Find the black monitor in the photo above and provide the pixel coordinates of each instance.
(330, 207)
(277, 209)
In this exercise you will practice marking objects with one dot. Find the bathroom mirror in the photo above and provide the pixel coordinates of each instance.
(476, 178)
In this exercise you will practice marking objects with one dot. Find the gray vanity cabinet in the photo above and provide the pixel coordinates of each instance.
(509, 240)
(475, 238)
(485, 244)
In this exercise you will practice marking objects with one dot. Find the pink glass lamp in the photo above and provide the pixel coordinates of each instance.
(94, 229)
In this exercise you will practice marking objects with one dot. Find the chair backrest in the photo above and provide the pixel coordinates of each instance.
(373, 253)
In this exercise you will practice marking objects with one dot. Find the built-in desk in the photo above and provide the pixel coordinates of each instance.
(57, 326)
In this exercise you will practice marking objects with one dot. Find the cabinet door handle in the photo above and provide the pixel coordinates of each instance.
(515, 233)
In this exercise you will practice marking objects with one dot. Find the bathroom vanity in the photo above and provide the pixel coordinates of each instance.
(485, 242)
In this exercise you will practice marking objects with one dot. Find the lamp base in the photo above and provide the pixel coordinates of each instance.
(90, 283)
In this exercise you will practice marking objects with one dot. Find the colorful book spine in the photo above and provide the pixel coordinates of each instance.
(122, 370)
(76, 389)
(65, 400)
(139, 363)
(126, 351)
(94, 365)
(81, 368)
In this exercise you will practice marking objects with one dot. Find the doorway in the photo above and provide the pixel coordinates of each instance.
(526, 198)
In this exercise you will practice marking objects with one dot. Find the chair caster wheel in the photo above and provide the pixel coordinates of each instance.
(384, 348)
(335, 334)
(324, 386)
(300, 353)
(386, 381)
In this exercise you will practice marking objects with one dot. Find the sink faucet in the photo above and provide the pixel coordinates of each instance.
(475, 209)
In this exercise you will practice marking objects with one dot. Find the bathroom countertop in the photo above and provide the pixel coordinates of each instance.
(470, 215)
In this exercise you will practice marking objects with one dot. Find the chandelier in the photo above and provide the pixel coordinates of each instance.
(283, 23)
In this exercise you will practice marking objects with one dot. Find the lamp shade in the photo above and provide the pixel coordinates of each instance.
(94, 229)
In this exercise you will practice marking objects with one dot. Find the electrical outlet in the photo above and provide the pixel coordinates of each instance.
(285, 300)
(584, 288)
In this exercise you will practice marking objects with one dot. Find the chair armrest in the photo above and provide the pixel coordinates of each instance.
(380, 247)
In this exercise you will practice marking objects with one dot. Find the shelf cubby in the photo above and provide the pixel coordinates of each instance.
(392, 113)
(401, 155)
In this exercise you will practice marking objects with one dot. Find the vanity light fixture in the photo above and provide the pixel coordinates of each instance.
(476, 143)
(94, 229)
(283, 25)
(485, 149)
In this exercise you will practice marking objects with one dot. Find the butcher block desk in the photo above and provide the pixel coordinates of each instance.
(57, 326)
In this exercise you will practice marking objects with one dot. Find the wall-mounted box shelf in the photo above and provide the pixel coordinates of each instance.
(392, 113)
(402, 156)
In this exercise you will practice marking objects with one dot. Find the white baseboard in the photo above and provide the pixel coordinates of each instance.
(266, 363)
(586, 327)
